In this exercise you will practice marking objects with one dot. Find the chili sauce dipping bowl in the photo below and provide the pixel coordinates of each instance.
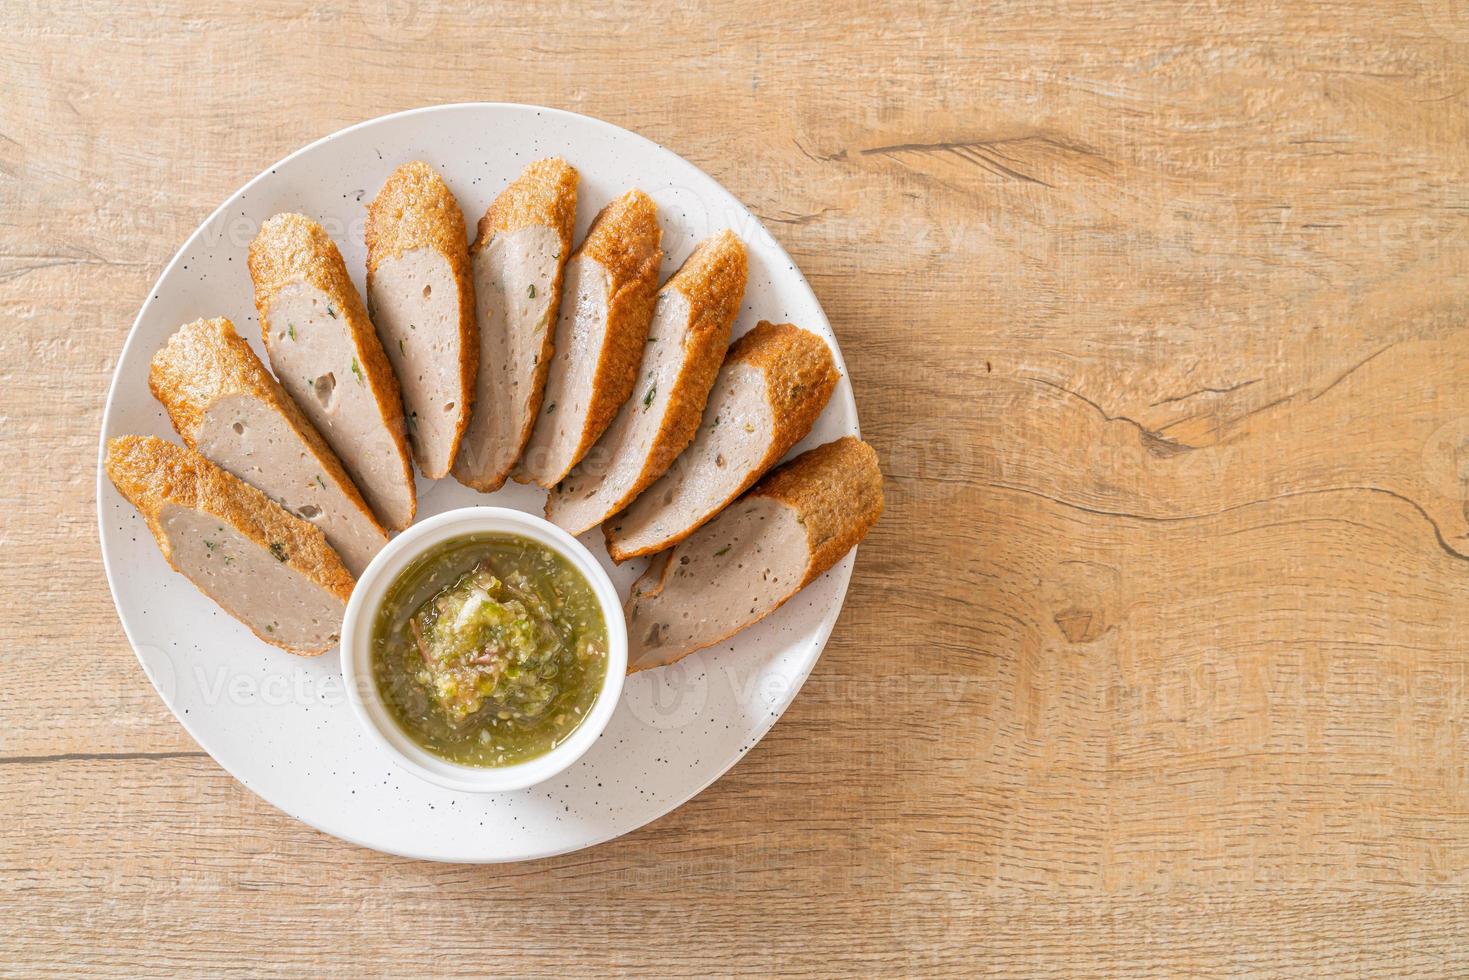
(357, 650)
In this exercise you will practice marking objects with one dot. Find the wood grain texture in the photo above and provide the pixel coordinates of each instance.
(1157, 662)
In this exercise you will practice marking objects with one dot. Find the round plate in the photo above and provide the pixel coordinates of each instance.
(281, 724)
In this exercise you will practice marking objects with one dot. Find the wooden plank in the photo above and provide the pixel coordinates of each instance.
(1156, 663)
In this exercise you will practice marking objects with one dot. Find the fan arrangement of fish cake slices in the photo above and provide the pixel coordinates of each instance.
(511, 357)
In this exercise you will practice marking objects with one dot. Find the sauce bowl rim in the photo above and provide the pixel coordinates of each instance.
(356, 649)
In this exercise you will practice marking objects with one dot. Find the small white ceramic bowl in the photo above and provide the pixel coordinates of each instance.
(357, 649)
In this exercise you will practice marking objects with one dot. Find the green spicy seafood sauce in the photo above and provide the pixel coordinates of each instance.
(489, 649)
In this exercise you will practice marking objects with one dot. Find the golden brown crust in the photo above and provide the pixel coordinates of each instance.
(624, 239)
(712, 279)
(292, 248)
(151, 473)
(649, 585)
(543, 195)
(712, 283)
(415, 209)
(836, 491)
(207, 360)
(800, 377)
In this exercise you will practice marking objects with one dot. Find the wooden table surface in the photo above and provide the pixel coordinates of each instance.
(1159, 660)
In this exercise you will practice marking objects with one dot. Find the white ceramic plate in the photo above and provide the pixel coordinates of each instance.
(281, 724)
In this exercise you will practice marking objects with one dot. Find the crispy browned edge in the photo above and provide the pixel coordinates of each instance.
(836, 492)
(293, 248)
(544, 194)
(800, 376)
(207, 360)
(150, 473)
(836, 489)
(624, 239)
(416, 209)
(712, 279)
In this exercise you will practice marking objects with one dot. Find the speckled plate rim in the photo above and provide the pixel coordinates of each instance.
(816, 644)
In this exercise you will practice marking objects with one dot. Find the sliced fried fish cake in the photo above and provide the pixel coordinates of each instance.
(422, 301)
(226, 405)
(606, 303)
(518, 259)
(686, 342)
(327, 356)
(761, 550)
(773, 385)
(269, 569)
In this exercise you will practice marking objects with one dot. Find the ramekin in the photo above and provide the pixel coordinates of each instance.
(362, 690)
